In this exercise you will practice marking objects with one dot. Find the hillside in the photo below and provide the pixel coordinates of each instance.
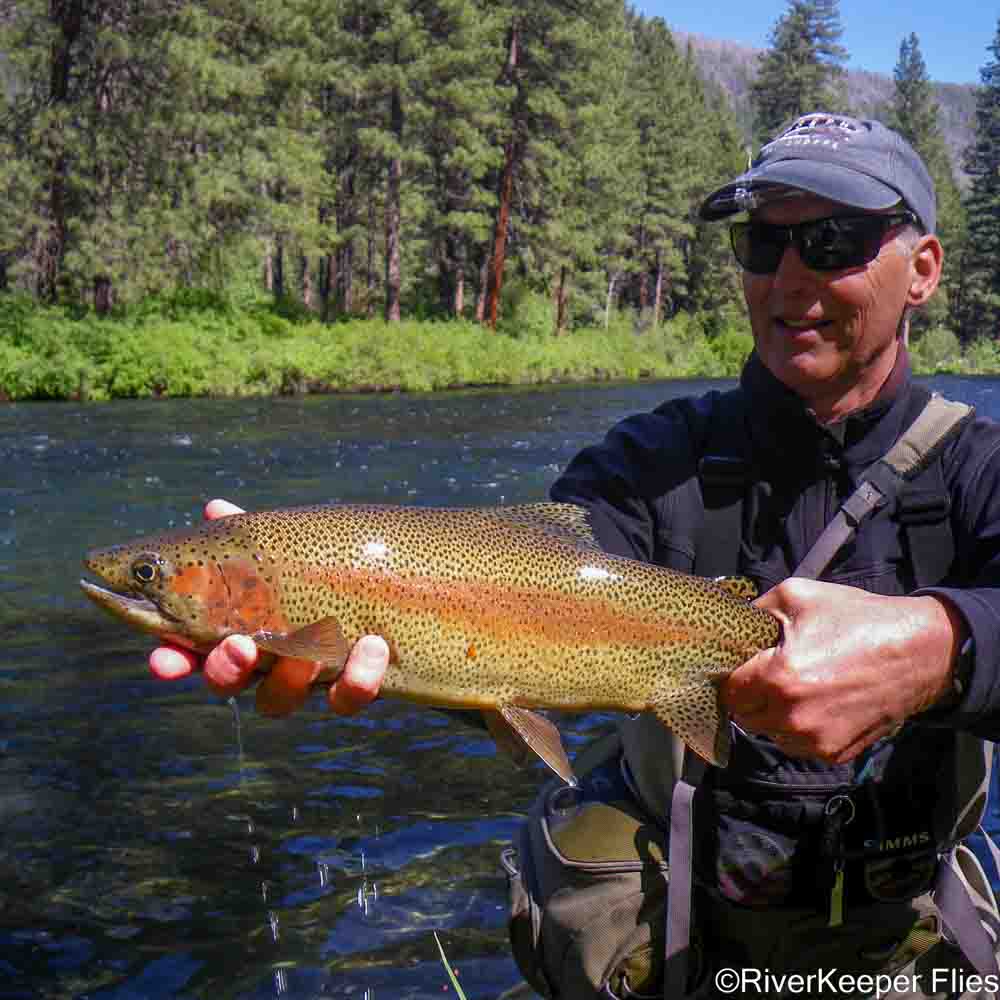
(732, 67)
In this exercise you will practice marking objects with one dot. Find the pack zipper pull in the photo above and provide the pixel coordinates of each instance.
(839, 811)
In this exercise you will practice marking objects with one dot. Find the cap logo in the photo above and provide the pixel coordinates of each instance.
(745, 199)
(815, 130)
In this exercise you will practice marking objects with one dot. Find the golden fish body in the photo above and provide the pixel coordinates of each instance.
(500, 609)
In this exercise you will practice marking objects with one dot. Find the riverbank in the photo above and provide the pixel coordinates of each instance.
(199, 347)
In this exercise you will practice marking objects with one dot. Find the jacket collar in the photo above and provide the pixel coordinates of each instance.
(783, 430)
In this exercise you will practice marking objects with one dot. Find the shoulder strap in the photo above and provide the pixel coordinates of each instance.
(884, 480)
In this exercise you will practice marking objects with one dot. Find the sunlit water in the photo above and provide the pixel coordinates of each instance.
(148, 847)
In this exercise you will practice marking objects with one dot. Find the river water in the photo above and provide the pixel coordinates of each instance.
(149, 847)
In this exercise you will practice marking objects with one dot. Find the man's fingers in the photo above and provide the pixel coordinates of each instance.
(220, 508)
(286, 688)
(362, 677)
(169, 663)
(230, 666)
(741, 690)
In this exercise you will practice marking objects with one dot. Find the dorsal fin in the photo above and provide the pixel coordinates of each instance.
(738, 586)
(565, 521)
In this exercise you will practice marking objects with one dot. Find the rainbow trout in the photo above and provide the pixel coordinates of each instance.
(498, 609)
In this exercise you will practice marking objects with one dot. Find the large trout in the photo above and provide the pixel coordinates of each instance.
(499, 609)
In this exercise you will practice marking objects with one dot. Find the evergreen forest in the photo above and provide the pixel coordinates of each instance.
(237, 196)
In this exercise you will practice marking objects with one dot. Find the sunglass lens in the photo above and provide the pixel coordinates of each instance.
(832, 244)
(758, 247)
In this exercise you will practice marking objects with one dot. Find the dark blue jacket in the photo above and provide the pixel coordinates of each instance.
(640, 485)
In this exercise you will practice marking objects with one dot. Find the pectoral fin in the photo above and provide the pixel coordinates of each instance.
(322, 642)
(691, 710)
(523, 734)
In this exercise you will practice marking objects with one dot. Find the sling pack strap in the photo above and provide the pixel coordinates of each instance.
(690, 769)
(885, 479)
(725, 470)
(724, 480)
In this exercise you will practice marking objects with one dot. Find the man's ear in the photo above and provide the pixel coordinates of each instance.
(926, 262)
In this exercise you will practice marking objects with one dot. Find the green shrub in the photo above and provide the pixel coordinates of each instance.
(197, 344)
(732, 345)
(982, 356)
(936, 350)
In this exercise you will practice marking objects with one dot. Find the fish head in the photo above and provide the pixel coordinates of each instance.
(189, 588)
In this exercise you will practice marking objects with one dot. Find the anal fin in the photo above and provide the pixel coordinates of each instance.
(522, 734)
(691, 711)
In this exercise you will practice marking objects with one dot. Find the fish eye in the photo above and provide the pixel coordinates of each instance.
(146, 569)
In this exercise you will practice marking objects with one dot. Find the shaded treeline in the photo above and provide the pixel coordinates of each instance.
(395, 157)
(407, 158)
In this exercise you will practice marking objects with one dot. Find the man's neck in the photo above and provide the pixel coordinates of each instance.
(881, 376)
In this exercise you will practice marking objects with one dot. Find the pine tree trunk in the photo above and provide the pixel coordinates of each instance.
(346, 277)
(278, 267)
(393, 271)
(370, 277)
(459, 304)
(658, 292)
(498, 258)
(484, 279)
(103, 295)
(306, 284)
(269, 268)
(67, 17)
(347, 215)
(562, 299)
(491, 307)
(611, 296)
(643, 271)
(328, 286)
(445, 285)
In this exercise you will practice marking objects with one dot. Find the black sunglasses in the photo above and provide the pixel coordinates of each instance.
(830, 244)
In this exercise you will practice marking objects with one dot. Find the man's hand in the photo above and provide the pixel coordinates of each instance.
(230, 666)
(850, 668)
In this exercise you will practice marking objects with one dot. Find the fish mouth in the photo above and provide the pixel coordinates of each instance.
(137, 611)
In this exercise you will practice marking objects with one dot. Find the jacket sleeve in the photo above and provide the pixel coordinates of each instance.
(629, 483)
(972, 471)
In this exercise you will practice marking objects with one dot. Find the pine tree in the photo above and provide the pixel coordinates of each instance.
(580, 174)
(79, 169)
(461, 142)
(714, 282)
(980, 306)
(915, 115)
(686, 142)
(802, 69)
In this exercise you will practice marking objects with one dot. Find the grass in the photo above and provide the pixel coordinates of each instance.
(448, 969)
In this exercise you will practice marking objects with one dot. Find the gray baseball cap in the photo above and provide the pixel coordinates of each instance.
(857, 162)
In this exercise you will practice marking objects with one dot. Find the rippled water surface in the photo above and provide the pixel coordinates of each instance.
(148, 847)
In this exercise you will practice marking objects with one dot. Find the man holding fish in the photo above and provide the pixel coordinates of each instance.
(819, 846)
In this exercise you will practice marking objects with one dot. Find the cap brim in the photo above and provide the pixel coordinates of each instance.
(828, 180)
